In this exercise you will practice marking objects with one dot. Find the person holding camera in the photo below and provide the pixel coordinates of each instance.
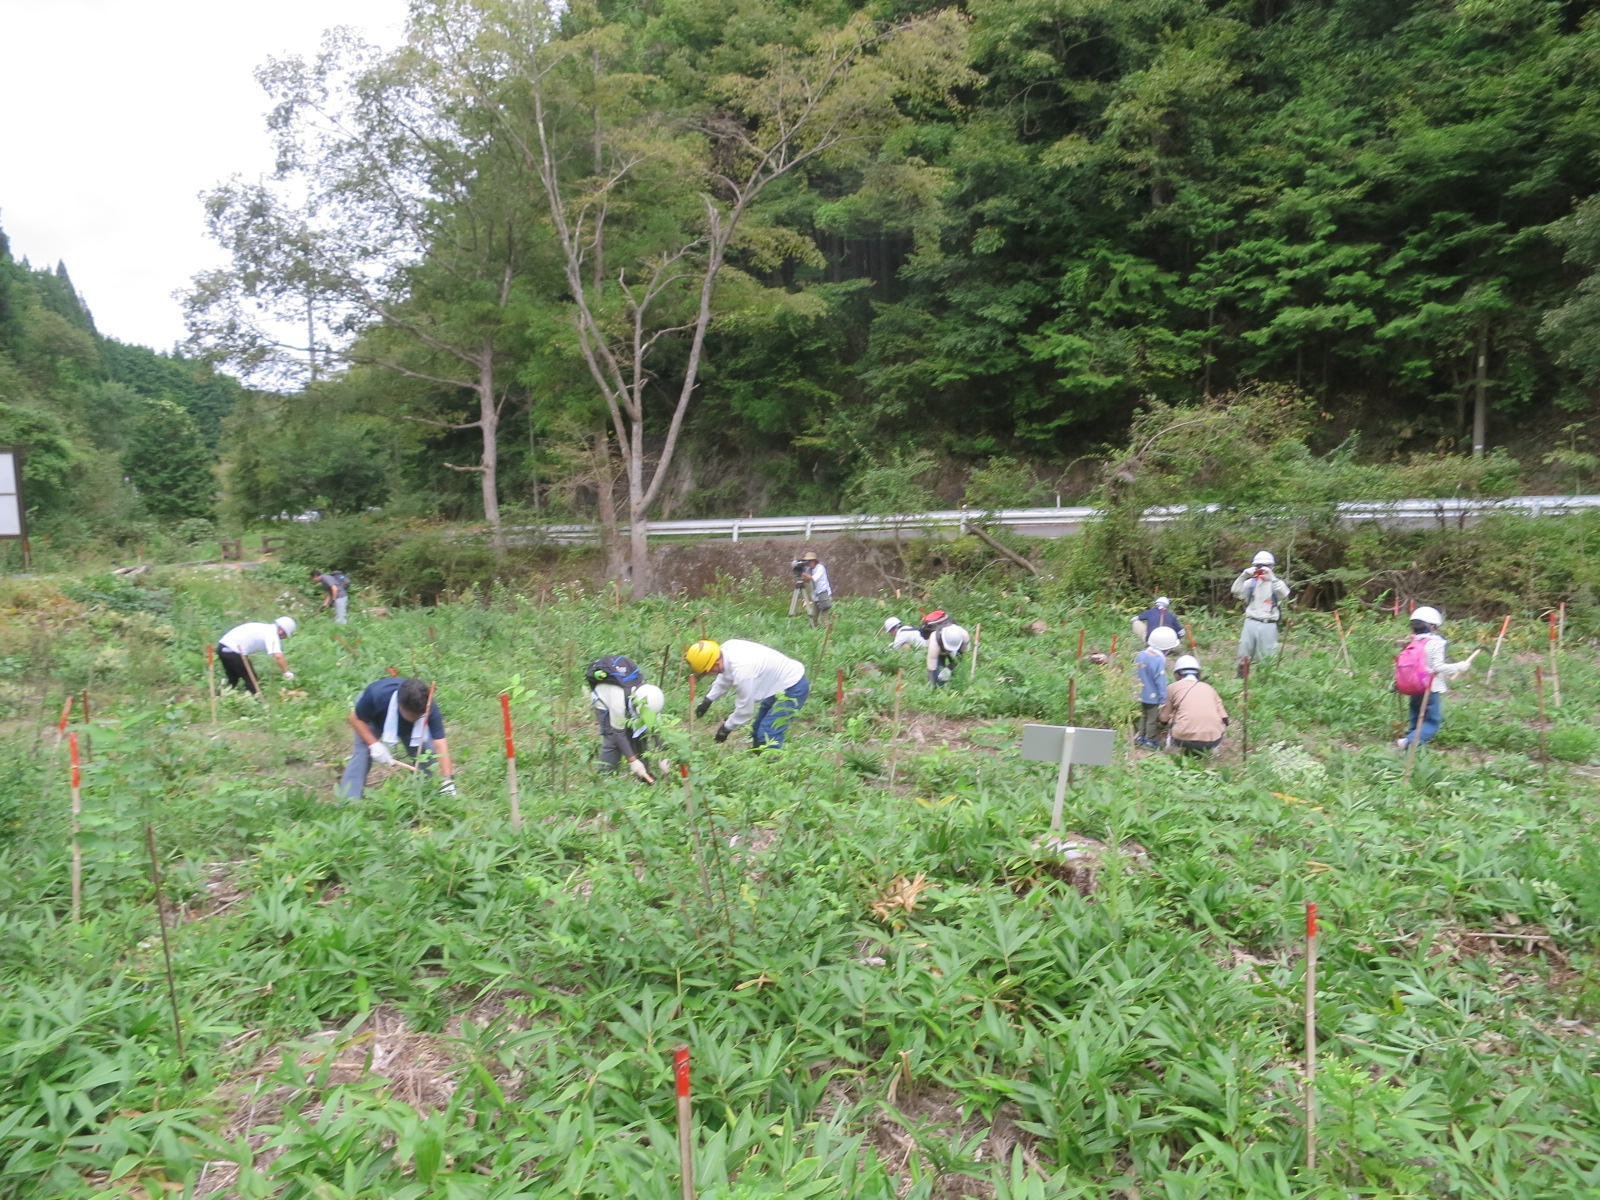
(811, 584)
(1263, 594)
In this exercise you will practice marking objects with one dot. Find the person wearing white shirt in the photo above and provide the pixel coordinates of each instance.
(1263, 594)
(769, 687)
(902, 635)
(254, 637)
(811, 579)
(946, 641)
(1427, 710)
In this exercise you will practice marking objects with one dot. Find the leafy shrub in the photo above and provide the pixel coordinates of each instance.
(1574, 743)
(349, 544)
(121, 595)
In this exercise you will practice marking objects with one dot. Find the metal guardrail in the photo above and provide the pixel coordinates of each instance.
(1054, 522)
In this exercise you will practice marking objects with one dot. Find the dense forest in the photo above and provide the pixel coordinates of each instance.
(117, 439)
(659, 258)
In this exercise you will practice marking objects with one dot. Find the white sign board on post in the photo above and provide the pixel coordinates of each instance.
(11, 493)
(1065, 745)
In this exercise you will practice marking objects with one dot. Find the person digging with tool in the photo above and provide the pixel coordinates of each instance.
(1150, 665)
(902, 635)
(1193, 712)
(1420, 672)
(811, 584)
(336, 593)
(1158, 616)
(396, 711)
(1263, 594)
(624, 706)
(254, 637)
(767, 686)
(946, 641)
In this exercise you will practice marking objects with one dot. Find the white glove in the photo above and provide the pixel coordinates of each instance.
(447, 786)
(636, 765)
(288, 675)
(381, 754)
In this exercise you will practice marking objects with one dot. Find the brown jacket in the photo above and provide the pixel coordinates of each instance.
(1194, 711)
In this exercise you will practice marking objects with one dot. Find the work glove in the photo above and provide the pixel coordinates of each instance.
(703, 707)
(722, 733)
(638, 768)
(381, 754)
(288, 675)
(447, 786)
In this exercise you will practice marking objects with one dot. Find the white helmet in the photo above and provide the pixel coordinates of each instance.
(648, 700)
(891, 624)
(1263, 558)
(1163, 639)
(1427, 615)
(1163, 602)
(286, 626)
(1187, 663)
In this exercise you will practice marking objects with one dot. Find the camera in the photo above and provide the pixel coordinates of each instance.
(798, 566)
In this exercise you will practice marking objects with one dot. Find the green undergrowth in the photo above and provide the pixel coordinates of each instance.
(887, 985)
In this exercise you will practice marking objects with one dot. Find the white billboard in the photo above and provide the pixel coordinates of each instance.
(10, 494)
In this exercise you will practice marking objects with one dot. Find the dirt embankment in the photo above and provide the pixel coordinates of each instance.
(856, 567)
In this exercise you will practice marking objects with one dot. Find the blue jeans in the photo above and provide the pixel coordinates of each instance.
(354, 783)
(1431, 720)
(773, 717)
(341, 606)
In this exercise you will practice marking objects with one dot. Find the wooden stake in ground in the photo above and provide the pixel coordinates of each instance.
(1081, 632)
(1244, 716)
(1498, 642)
(88, 737)
(255, 684)
(66, 715)
(680, 1064)
(166, 946)
(977, 636)
(211, 678)
(77, 850)
(692, 678)
(694, 832)
(1538, 689)
(511, 763)
(1344, 646)
(1555, 668)
(1311, 1037)
(894, 738)
(838, 723)
(1113, 645)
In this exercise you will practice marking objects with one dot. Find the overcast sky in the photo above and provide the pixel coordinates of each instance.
(118, 113)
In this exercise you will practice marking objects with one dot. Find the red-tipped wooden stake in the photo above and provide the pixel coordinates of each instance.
(680, 1064)
(511, 763)
(1555, 669)
(1113, 645)
(1411, 606)
(1311, 1037)
(1504, 625)
(77, 850)
(66, 715)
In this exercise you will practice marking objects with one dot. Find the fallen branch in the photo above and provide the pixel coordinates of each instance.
(1006, 552)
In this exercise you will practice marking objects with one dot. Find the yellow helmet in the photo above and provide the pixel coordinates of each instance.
(702, 656)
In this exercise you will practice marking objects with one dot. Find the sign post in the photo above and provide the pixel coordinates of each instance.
(1065, 745)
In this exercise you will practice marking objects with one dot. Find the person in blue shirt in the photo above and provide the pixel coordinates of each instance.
(1151, 666)
(388, 713)
(1158, 616)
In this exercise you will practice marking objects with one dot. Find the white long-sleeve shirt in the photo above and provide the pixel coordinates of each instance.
(753, 672)
(1433, 649)
(952, 639)
(907, 635)
(1261, 596)
(253, 637)
(818, 575)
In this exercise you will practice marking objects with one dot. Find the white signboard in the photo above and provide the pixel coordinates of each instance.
(10, 495)
(1066, 744)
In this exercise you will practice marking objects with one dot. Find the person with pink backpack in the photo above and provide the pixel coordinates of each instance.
(1420, 671)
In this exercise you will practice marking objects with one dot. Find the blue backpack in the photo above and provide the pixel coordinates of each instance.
(615, 668)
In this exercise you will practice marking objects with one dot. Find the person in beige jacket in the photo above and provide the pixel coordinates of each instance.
(1193, 713)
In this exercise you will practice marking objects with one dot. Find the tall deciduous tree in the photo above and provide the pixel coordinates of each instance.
(650, 193)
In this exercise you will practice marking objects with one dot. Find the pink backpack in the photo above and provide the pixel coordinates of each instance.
(1411, 677)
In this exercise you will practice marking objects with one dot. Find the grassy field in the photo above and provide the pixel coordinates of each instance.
(889, 984)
